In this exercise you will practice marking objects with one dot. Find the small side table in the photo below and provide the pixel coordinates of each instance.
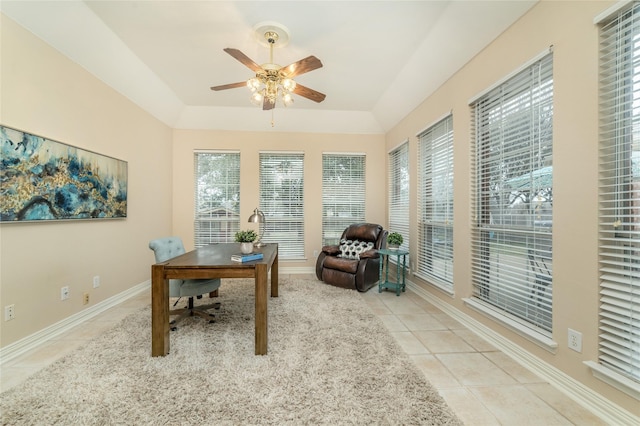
(401, 263)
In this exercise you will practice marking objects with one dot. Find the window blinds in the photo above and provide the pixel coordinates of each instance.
(343, 194)
(619, 216)
(435, 204)
(282, 202)
(217, 195)
(399, 193)
(513, 197)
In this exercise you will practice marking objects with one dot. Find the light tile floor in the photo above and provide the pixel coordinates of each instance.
(481, 384)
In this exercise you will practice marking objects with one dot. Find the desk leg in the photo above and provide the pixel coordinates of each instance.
(159, 312)
(261, 309)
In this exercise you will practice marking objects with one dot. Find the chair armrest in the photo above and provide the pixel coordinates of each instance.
(331, 250)
(369, 254)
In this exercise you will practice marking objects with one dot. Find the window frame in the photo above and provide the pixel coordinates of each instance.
(618, 361)
(228, 182)
(343, 192)
(435, 164)
(283, 207)
(399, 199)
(517, 110)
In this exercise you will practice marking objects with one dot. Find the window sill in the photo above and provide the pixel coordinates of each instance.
(614, 379)
(512, 324)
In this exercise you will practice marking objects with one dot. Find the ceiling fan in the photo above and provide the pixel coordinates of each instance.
(272, 81)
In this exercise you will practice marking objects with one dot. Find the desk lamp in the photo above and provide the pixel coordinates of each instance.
(258, 217)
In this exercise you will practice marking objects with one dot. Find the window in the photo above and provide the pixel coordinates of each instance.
(282, 201)
(217, 197)
(399, 193)
(513, 199)
(619, 217)
(343, 194)
(435, 201)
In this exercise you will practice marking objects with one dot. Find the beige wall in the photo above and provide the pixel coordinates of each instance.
(568, 26)
(250, 144)
(44, 93)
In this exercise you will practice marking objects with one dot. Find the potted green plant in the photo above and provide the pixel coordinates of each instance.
(394, 240)
(246, 239)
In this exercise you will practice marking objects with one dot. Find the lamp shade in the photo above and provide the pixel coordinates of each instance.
(257, 216)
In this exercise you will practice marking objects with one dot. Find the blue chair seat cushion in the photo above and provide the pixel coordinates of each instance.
(192, 288)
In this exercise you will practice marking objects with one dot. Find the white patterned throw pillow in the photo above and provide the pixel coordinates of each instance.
(351, 249)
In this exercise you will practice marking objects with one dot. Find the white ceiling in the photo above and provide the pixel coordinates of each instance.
(381, 58)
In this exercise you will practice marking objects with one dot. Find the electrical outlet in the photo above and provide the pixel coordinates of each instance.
(9, 312)
(96, 281)
(64, 293)
(575, 340)
(85, 299)
(315, 253)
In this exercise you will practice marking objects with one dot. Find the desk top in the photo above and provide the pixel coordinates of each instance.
(219, 256)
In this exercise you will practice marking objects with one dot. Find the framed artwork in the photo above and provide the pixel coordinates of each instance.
(42, 179)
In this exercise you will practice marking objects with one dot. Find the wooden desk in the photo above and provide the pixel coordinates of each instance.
(212, 261)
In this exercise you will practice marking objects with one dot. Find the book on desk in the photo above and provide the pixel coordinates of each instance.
(241, 257)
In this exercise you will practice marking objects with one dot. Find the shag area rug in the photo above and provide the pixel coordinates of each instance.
(330, 362)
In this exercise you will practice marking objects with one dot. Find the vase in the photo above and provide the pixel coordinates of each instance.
(246, 248)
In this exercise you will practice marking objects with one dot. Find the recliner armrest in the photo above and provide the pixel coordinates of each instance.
(331, 250)
(369, 254)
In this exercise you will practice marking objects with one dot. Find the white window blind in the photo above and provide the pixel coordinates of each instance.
(619, 217)
(513, 197)
(399, 193)
(343, 194)
(435, 204)
(217, 195)
(282, 202)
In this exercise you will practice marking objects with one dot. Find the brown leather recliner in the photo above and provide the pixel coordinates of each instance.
(355, 263)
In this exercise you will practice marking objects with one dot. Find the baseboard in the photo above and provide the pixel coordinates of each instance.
(600, 406)
(28, 343)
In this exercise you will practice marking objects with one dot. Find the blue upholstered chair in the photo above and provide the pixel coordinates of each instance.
(168, 248)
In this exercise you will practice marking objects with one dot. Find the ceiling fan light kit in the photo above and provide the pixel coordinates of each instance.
(269, 84)
(273, 82)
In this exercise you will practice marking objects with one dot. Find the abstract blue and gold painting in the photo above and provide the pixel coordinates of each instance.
(42, 179)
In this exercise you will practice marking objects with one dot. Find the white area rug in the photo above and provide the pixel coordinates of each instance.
(330, 361)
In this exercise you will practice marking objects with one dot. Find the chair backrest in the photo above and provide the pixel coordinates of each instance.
(365, 232)
(167, 248)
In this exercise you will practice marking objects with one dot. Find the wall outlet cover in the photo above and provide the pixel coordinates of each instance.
(575, 340)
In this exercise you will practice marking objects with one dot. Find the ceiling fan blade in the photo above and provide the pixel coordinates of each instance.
(230, 86)
(243, 58)
(309, 93)
(307, 64)
(267, 105)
